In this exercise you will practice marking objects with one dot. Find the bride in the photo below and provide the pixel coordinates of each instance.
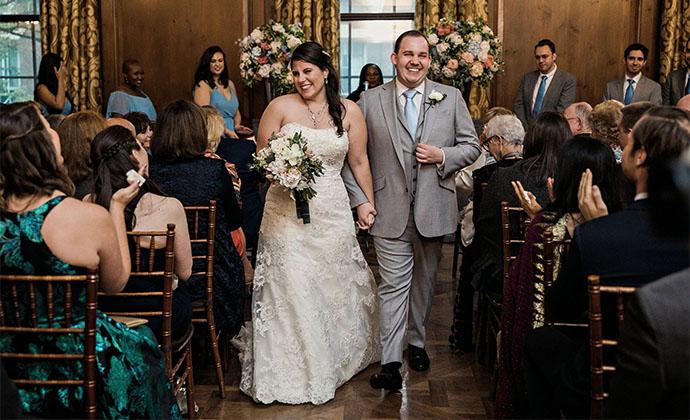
(315, 309)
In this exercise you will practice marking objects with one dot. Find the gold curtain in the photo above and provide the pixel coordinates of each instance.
(429, 12)
(675, 32)
(70, 29)
(320, 21)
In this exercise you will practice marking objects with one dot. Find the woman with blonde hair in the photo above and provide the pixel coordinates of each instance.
(76, 134)
(604, 120)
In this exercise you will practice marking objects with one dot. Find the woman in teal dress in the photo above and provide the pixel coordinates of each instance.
(51, 88)
(44, 232)
(129, 97)
(212, 87)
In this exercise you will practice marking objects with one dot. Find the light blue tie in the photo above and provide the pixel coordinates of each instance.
(539, 101)
(411, 114)
(629, 92)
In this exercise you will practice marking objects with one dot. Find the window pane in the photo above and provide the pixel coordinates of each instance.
(383, 6)
(19, 7)
(20, 49)
(369, 42)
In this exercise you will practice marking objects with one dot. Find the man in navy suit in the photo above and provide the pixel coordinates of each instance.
(678, 82)
(623, 248)
(546, 89)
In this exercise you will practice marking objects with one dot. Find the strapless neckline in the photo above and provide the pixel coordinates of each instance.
(295, 123)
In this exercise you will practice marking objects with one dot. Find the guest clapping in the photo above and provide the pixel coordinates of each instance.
(129, 97)
(51, 90)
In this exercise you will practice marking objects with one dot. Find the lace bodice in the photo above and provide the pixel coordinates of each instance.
(325, 144)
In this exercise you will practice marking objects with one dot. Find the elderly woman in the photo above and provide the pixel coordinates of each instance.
(604, 120)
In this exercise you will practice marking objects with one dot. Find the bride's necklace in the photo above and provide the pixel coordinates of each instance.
(315, 117)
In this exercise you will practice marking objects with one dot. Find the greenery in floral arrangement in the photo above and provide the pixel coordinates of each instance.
(464, 51)
(265, 55)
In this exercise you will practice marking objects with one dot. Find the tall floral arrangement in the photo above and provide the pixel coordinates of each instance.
(464, 51)
(265, 55)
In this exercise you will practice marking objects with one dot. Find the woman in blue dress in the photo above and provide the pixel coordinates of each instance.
(128, 97)
(213, 87)
(51, 92)
(45, 232)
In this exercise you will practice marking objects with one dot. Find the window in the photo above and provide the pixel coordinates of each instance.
(368, 30)
(20, 49)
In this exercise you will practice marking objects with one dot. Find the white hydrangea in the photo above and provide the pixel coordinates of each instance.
(257, 35)
(293, 42)
(265, 70)
(433, 39)
(455, 38)
(291, 178)
(442, 47)
(277, 67)
(256, 51)
(275, 46)
(278, 28)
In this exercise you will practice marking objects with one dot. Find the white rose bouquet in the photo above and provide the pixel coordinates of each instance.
(464, 51)
(265, 54)
(288, 162)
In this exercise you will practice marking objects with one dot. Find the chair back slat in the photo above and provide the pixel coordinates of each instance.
(597, 342)
(195, 214)
(36, 311)
(509, 243)
(549, 260)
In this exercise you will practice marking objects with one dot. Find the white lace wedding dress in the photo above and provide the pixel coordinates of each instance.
(315, 306)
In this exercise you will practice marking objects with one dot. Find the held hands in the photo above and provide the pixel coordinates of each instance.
(527, 200)
(589, 198)
(366, 215)
(426, 153)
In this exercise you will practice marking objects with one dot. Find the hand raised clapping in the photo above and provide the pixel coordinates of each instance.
(589, 198)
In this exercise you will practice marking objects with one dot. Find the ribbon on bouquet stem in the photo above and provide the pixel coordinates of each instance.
(302, 207)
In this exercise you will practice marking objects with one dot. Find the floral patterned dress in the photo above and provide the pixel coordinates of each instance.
(131, 378)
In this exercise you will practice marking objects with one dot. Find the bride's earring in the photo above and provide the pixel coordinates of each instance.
(325, 81)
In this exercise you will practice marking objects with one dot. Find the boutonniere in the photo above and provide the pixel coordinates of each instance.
(435, 97)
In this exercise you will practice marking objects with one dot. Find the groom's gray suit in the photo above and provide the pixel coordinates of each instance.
(415, 203)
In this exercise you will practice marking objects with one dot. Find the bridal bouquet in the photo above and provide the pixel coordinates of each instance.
(289, 162)
(265, 54)
(463, 52)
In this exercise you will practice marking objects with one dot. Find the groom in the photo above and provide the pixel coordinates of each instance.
(420, 133)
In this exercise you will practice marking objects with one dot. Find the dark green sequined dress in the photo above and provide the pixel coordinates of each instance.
(131, 377)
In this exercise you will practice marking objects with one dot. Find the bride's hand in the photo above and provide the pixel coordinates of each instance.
(366, 215)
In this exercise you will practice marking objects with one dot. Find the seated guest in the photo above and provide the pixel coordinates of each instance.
(623, 248)
(47, 233)
(216, 127)
(114, 152)
(577, 115)
(542, 145)
(651, 378)
(370, 77)
(129, 97)
(522, 308)
(678, 82)
(51, 89)
(180, 169)
(110, 122)
(76, 133)
(634, 87)
(604, 120)
(143, 128)
(502, 142)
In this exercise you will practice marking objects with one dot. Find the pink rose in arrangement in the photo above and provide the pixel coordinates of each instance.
(467, 57)
(265, 46)
(443, 30)
(452, 64)
(489, 61)
(262, 60)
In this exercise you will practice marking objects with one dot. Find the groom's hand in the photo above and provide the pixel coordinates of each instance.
(366, 214)
(426, 153)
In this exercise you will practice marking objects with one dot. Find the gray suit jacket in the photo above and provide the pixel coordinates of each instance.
(561, 93)
(646, 90)
(674, 89)
(446, 125)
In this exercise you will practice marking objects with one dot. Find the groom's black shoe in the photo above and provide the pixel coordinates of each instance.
(388, 378)
(417, 358)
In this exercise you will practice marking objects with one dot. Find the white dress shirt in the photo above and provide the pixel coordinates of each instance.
(636, 79)
(549, 78)
(400, 90)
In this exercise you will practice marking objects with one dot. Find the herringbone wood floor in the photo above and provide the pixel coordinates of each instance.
(454, 387)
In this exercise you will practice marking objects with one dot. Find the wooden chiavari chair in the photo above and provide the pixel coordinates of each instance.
(549, 262)
(21, 314)
(597, 342)
(203, 249)
(178, 354)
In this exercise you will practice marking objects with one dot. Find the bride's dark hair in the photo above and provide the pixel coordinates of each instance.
(313, 53)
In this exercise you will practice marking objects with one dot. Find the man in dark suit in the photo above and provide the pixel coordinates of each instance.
(634, 87)
(623, 248)
(546, 89)
(678, 82)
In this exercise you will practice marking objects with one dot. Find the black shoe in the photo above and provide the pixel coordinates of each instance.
(417, 358)
(388, 378)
